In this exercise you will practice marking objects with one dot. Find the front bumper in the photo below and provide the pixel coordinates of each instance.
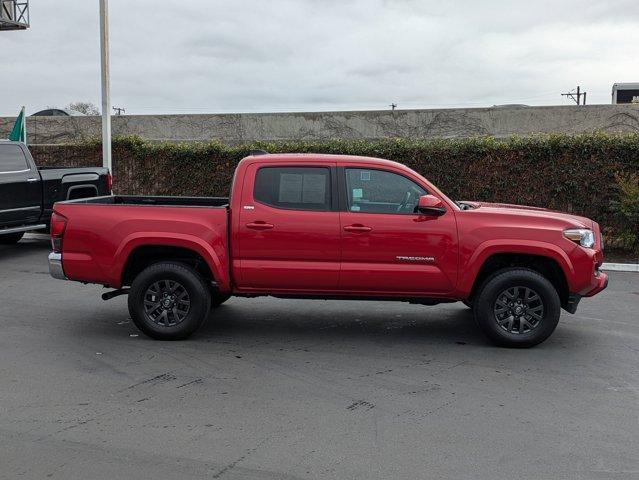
(600, 284)
(55, 266)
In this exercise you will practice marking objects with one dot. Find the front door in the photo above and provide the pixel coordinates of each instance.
(288, 233)
(387, 247)
(20, 188)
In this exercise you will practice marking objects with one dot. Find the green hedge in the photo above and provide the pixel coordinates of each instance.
(569, 173)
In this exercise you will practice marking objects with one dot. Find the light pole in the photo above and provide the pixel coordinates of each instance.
(106, 94)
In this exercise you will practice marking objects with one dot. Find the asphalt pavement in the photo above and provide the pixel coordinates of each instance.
(308, 389)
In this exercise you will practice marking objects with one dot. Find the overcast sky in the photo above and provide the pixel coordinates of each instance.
(201, 56)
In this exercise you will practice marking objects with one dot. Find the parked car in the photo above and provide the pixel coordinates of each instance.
(323, 226)
(58, 112)
(27, 192)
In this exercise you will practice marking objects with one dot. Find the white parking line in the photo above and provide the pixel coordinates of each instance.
(621, 267)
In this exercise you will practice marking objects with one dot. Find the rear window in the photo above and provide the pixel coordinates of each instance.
(294, 188)
(12, 159)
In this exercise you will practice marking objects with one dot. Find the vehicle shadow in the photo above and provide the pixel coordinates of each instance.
(381, 322)
(301, 324)
(25, 247)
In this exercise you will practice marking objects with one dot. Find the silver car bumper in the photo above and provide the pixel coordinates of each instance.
(55, 266)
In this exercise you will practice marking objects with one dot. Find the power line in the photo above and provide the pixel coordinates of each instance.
(576, 96)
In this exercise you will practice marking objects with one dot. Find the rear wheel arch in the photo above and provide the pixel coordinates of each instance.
(144, 256)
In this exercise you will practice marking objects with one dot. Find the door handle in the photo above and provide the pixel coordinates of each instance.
(358, 228)
(31, 180)
(259, 225)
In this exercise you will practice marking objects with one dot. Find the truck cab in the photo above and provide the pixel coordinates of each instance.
(20, 187)
(27, 192)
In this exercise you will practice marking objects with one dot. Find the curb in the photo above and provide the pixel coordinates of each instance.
(620, 267)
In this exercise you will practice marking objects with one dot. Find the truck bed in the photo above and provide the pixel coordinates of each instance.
(158, 201)
(122, 225)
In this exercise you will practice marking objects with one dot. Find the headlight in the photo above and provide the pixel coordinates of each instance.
(582, 236)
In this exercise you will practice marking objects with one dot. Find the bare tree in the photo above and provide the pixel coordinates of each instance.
(84, 107)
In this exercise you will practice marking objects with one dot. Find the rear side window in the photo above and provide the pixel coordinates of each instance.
(294, 188)
(12, 159)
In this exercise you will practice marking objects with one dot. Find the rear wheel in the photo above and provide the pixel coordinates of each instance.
(169, 301)
(11, 238)
(517, 308)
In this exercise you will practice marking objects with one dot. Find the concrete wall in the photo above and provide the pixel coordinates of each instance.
(247, 127)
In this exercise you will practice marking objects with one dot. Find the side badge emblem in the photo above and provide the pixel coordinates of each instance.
(403, 258)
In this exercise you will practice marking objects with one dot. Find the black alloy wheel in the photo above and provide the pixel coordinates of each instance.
(518, 310)
(166, 302)
(169, 301)
(517, 307)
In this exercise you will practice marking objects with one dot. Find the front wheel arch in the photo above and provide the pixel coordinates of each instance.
(548, 267)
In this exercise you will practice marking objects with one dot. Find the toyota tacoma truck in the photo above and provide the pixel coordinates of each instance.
(330, 227)
(27, 192)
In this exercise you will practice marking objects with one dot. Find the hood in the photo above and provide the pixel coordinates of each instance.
(533, 211)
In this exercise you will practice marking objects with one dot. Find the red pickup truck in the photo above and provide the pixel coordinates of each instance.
(330, 227)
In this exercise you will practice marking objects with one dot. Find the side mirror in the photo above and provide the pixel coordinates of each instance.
(431, 205)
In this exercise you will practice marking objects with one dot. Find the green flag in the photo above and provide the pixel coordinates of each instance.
(19, 132)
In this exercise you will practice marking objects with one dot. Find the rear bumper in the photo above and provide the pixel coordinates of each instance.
(55, 266)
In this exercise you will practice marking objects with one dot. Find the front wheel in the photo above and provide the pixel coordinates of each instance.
(517, 308)
(11, 238)
(169, 301)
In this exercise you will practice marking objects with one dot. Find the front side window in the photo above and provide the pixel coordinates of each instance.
(378, 191)
(294, 188)
(12, 159)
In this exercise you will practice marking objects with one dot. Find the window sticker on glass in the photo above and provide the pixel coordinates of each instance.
(365, 176)
(290, 188)
(314, 190)
(358, 193)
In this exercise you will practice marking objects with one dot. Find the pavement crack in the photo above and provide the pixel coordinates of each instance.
(197, 380)
(158, 379)
(360, 404)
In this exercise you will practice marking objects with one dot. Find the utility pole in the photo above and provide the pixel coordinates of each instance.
(106, 94)
(119, 111)
(576, 96)
(393, 106)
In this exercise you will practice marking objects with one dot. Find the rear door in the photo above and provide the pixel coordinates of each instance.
(387, 246)
(289, 233)
(20, 187)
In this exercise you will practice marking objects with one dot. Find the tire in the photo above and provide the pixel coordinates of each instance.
(217, 299)
(517, 308)
(11, 238)
(187, 297)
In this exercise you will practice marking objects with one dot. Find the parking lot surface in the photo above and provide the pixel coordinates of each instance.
(297, 389)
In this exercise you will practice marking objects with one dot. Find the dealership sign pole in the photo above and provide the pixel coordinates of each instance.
(106, 94)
